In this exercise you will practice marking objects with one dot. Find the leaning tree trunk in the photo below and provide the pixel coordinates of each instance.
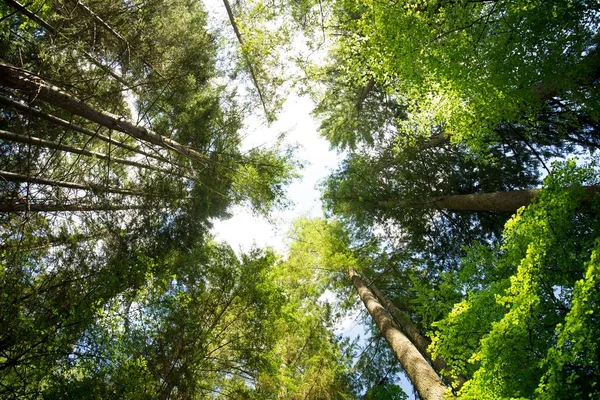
(27, 82)
(76, 207)
(421, 342)
(494, 202)
(253, 75)
(14, 137)
(70, 125)
(424, 378)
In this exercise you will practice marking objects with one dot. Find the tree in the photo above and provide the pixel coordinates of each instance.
(429, 57)
(324, 251)
(129, 199)
(422, 375)
(522, 299)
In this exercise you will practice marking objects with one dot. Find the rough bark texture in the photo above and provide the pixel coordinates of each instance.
(26, 207)
(26, 82)
(13, 137)
(12, 177)
(69, 125)
(426, 381)
(412, 332)
(496, 201)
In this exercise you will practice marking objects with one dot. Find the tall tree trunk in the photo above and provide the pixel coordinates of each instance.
(97, 189)
(13, 137)
(23, 10)
(238, 35)
(26, 82)
(69, 125)
(426, 381)
(32, 243)
(421, 342)
(26, 207)
(494, 202)
(41, 22)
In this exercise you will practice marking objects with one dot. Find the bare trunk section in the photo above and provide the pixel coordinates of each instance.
(364, 93)
(32, 16)
(426, 381)
(496, 201)
(421, 342)
(238, 35)
(69, 125)
(493, 202)
(13, 137)
(97, 189)
(27, 207)
(26, 82)
(37, 243)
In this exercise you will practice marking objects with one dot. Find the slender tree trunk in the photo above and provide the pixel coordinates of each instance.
(426, 381)
(13, 137)
(421, 342)
(364, 93)
(69, 125)
(238, 35)
(26, 82)
(26, 207)
(112, 31)
(97, 189)
(94, 16)
(494, 202)
(22, 9)
(37, 242)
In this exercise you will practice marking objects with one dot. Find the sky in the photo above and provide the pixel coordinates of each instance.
(245, 230)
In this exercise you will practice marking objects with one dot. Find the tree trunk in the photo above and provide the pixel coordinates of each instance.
(494, 202)
(238, 35)
(13, 137)
(97, 189)
(26, 207)
(421, 342)
(69, 125)
(37, 242)
(426, 381)
(26, 82)
(22, 9)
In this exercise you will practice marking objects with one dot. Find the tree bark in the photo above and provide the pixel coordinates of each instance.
(97, 189)
(13, 137)
(238, 35)
(26, 207)
(69, 125)
(27, 82)
(421, 342)
(426, 381)
(494, 202)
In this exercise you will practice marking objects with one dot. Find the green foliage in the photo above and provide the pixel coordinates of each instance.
(386, 391)
(509, 335)
(431, 56)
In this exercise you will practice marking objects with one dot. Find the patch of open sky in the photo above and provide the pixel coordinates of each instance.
(295, 126)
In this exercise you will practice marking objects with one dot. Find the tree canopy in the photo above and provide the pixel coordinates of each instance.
(462, 224)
